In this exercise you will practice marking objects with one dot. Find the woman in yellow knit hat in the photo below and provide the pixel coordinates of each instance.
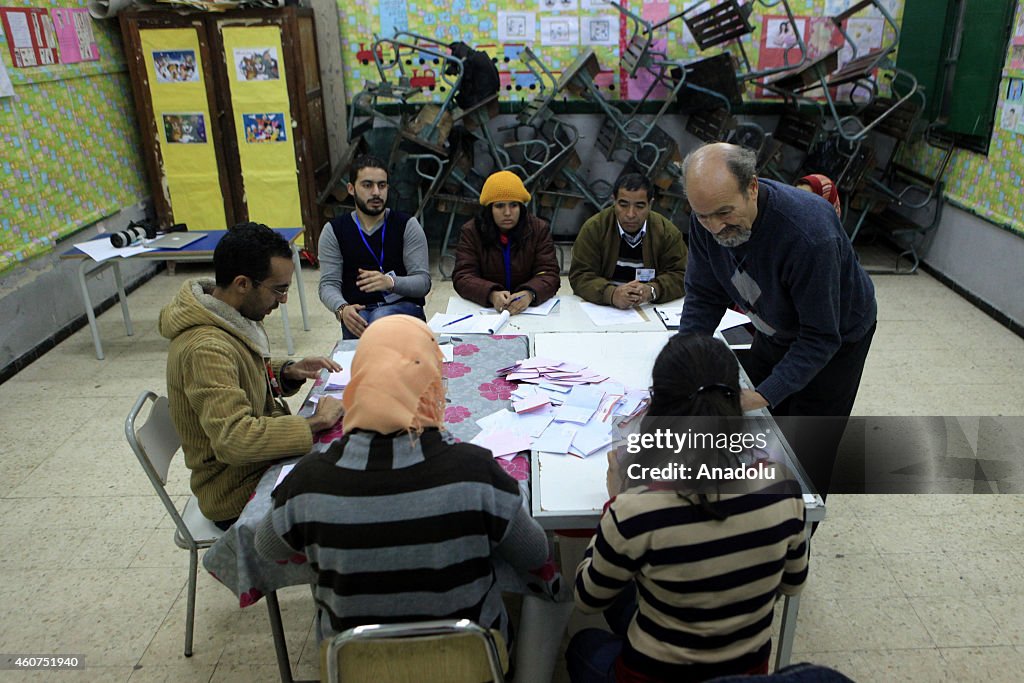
(505, 258)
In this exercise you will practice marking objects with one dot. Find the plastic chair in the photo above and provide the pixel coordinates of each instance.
(155, 444)
(446, 651)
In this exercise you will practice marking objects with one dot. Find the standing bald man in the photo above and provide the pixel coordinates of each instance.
(781, 255)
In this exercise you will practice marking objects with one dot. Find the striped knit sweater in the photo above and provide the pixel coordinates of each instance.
(705, 588)
(231, 427)
(399, 529)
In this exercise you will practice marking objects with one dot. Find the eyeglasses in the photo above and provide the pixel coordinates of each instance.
(279, 292)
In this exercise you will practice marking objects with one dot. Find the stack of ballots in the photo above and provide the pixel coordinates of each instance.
(559, 407)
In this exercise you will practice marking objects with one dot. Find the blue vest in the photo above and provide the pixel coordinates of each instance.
(355, 255)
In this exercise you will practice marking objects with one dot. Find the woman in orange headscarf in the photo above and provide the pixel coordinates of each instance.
(400, 522)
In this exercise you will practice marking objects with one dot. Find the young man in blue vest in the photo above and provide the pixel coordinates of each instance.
(373, 261)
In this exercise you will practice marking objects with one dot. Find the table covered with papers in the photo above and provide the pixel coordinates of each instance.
(475, 390)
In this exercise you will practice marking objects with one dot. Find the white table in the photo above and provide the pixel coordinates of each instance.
(570, 492)
(566, 316)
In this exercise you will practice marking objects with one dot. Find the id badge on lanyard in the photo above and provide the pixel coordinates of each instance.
(389, 297)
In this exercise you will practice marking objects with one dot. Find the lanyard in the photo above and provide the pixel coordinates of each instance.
(383, 234)
(506, 251)
(275, 387)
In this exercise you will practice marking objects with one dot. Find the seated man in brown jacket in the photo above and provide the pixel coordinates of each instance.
(628, 255)
(505, 258)
(223, 387)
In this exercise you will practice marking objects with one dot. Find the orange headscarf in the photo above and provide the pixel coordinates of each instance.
(396, 378)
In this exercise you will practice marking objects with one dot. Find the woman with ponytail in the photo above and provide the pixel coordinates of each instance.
(687, 567)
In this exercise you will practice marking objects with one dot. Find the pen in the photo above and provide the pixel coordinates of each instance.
(458, 320)
(517, 298)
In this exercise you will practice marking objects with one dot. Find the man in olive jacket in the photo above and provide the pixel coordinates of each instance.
(628, 255)
(223, 387)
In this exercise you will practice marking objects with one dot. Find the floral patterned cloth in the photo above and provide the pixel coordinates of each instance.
(474, 391)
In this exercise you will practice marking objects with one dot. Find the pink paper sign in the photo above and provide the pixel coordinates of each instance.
(74, 35)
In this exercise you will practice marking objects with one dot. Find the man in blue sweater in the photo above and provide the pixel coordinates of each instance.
(781, 255)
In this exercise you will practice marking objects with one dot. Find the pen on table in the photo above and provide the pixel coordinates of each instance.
(458, 320)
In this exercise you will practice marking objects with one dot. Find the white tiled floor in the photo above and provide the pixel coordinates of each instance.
(902, 588)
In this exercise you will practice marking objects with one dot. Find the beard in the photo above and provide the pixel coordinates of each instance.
(368, 210)
(733, 236)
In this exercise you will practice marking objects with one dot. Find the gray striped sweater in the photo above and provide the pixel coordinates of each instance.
(399, 529)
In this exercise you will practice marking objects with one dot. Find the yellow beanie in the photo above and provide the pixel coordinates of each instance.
(503, 186)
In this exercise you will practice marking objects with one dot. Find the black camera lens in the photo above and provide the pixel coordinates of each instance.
(128, 237)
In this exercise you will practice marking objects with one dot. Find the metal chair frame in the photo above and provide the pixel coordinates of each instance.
(155, 443)
(707, 29)
(406, 631)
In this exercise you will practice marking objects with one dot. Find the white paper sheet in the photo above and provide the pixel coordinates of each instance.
(555, 439)
(559, 30)
(285, 471)
(543, 309)
(344, 358)
(101, 250)
(517, 27)
(732, 319)
(606, 316)
(599, 30)
(452, 323)
(592, 437)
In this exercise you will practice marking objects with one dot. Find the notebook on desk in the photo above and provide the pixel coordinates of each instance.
(175, 240)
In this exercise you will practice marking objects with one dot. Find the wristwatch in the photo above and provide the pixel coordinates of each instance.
(654, 293)
(341, 309)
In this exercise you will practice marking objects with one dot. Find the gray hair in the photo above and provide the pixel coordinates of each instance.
(740, 161)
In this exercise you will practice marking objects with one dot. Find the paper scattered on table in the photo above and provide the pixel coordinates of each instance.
(530, 403)
(454, 323)
(448, 351)
(556, 438)
(559, 408)
(732, 319)
(543, 309)
(315, 398)
(606, 316)
(669, 313)
(285, 471)
(591, 438)
(504, 442)
(344, 358)
(101, 249)
(339, 380)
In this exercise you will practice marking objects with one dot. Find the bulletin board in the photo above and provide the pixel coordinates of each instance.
(263, 124)
(71, 150)
(558, 30)
(183, 128)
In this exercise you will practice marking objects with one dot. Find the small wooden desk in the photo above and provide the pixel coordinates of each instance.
(200, 250)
